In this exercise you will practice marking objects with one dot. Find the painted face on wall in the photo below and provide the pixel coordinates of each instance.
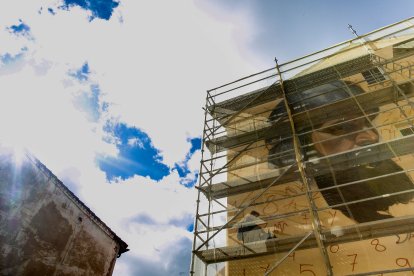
(344, 134)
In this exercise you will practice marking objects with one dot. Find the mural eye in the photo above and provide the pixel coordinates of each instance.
(335, 130)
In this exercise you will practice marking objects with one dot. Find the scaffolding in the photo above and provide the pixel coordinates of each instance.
(307, 167)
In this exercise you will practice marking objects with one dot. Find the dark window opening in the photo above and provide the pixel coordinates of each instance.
(373, 76)
(407, 131)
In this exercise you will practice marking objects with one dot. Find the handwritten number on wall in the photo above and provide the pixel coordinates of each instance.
(378, 247)
(306, 268)
(334, 248)
(353, 261)
(403, 262)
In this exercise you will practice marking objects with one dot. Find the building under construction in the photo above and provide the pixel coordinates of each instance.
(307, 168)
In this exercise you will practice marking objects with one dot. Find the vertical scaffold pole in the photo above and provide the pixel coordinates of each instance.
(193, 256)
(301, 166)
(210, 182)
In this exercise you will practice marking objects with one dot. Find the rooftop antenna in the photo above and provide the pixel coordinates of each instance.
(362, 40)
(352, 30)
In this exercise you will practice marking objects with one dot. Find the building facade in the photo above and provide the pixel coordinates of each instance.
(308, 166)
(45, 229)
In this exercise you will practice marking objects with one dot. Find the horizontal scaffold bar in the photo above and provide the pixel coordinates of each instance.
(322, 165)
(315, 116)
(298, 84)
(362, 231)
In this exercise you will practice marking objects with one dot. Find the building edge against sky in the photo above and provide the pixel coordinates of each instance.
(45, 228)
(262, 162)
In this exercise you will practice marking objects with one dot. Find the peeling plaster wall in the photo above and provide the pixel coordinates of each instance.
(43, 231)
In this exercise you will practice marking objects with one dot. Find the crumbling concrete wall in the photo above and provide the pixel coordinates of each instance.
(43, 230)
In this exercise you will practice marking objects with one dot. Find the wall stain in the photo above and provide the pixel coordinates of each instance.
(47, 218)
(87, 254)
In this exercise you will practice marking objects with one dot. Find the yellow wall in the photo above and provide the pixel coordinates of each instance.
(383, 253)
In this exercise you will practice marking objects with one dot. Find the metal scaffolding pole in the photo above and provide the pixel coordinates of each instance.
(197, 218)
(299, 161)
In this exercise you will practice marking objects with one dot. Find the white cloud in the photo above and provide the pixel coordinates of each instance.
(194, 162)
(119, 204)
(175, 261)
(136, 142)
(165, 69)
(153, 69)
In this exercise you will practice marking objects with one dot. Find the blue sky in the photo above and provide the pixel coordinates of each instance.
(109, 95)
(101, 9)
(289, 29)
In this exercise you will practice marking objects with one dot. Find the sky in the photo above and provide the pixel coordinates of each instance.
(108, 94)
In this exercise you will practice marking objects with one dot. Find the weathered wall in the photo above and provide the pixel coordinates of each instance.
(43, 231)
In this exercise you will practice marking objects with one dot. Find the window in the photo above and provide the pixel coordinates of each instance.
(373, 76)
(407, 131)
